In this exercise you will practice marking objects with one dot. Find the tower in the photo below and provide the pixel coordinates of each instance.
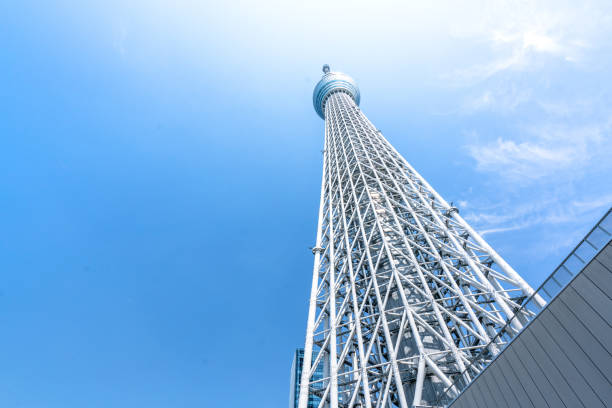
(405, 294)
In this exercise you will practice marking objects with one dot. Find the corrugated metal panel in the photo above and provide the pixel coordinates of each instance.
(593, 353)
(499, 377)
(543, 384)
(563, 358)
(550, 371)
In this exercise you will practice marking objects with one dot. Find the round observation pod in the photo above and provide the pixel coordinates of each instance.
(333, 82)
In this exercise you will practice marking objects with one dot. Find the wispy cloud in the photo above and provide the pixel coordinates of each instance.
(551, 180)
(586, 205)
(517, 49)
(551, 211)
(521, 160)
(578, 106)
(501, 229)
(120, 39)
(515, 38)
(538, 71)
(501, 98)
(549, 149)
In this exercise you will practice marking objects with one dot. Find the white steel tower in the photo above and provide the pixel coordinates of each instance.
(405, 294)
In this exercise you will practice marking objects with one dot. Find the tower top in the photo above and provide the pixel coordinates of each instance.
(333, 82)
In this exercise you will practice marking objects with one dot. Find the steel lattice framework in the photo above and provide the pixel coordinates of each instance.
(404, 293)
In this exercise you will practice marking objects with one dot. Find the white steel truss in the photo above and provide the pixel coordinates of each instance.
(404, 293)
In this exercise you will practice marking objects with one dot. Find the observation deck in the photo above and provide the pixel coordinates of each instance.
(330, 83)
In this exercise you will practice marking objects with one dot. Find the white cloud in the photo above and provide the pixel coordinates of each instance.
(586, 205)
(541, 42)
(500, 229)
(545, 162)
(553, 183)
(504, 98)
(516, 52)
(508, 53)
(549, 150)
(521, 160)
(462, 203)
(548, 211)
(120, 40)
(516, 37)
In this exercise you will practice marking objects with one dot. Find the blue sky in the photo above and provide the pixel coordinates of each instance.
(160, 168)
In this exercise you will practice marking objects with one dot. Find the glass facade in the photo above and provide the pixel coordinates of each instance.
(296, 376)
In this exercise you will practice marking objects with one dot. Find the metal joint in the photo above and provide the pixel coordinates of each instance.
(451, 210)
(317, 249)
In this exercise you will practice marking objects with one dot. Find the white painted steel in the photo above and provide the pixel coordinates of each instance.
(405, 293)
